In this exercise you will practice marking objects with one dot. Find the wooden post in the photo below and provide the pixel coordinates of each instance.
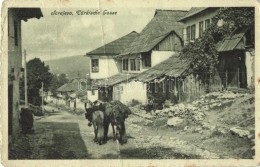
(42, 97)
(238, 83)
(226, 79)
(25, 81)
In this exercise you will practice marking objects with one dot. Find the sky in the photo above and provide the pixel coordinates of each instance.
(57, 36)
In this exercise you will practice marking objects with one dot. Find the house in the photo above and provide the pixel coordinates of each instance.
(76, 94)
(171, 80)
(64, 91)
(160, 39)
(103, 62)
(236, 53)
(196, 21)
(106, 69)
(15, 17)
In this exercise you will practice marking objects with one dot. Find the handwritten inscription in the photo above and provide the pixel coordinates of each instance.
(84, 12)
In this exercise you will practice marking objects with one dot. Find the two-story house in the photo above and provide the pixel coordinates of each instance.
(236, 52)
(15, 17)
(106, 69)
(160, 39)
(196, 21)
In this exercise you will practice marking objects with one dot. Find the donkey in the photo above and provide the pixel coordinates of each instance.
(98, 124)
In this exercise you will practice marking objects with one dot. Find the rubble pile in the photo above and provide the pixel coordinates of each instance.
(195, 111)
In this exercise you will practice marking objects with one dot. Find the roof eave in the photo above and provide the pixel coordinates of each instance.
(187, 17)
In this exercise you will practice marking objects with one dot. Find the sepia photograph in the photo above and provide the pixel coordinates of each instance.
(124, 83)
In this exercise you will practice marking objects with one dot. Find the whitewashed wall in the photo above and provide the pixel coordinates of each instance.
(107, 68)
(195, 20)
(92, 97)
(126, 92)
(249, 68)
(159, 56)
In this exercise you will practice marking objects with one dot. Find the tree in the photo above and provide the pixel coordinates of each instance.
(37, 73)
(57, 81)
(202, 54)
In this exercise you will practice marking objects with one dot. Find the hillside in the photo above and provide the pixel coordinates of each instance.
(74, 66)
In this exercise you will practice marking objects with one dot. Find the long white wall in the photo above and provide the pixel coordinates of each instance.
(126, 92)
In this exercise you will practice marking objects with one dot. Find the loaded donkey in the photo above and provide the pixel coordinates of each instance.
(115, 114)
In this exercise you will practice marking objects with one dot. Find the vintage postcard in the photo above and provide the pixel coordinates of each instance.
(130, 83)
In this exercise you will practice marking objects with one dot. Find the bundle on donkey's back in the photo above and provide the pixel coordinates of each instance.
(115, 114)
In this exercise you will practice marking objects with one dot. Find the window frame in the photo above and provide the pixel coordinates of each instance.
(201, 28)
(188, 31)
(125, 65)
(138, 64)
(193, 32)
(96, 65)
(132, 65)
(207, 23)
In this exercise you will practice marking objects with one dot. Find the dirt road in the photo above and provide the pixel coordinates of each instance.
(63, 135)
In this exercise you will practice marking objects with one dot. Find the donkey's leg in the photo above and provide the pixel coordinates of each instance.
(106, 126)
(114, 133)
(95, 131)
(123, 138)
(100, 134)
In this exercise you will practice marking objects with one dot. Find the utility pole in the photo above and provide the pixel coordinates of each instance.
(42, 98)
(25, 80)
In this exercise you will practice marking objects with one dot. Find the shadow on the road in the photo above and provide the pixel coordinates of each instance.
(51, 140)
(153, 153)
(67, 142)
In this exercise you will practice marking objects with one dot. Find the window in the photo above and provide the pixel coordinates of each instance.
(192, 32)
(15, 33)
(138, 64)
(95, 65)
(135, 64)
(125, 64)
(92, 91)
(132, 63)
(146, 60)
(200, 28)
(207, 23)
(188, 33)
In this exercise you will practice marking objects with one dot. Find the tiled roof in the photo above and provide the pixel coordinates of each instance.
(118, 78)
(115, 47)
(162, 24)
(68, 87)
(170, 67)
